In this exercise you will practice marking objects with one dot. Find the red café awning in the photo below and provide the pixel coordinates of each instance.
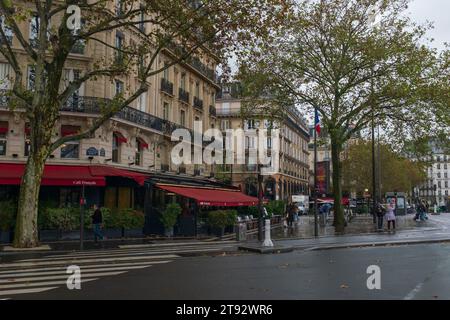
(212, 197)
(54, 175)
(120, 137)
(144, 145)
(68, 175)
(3, 127)
(69, 130)
(105, 171)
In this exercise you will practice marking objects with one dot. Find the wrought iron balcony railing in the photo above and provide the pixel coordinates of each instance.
(198, 103)
(183, 95)
(194, 62)
(94, 105)
(167, 86)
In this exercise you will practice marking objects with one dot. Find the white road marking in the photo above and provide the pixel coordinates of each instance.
(38, 284)
(63, 271)
(81, 261)
(7, 272)
(23, 291)
(64, 276)
(150, 245)
(414, 292)
(129, 252)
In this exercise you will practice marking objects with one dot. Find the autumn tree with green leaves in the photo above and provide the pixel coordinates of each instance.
(180, 28)
(357, 62)
(394, 171)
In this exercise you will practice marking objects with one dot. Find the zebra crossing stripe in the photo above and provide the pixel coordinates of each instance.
(64, 276)
(81, 261)
(23, 291)
(150, 245)
(38, 284)
(135, 251)
(63, 271)
(128, 252)
(8, 272)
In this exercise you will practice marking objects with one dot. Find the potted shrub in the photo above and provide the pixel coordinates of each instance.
(64, 220)
(218, 220)
(169, 217)
(132, 222)
(8, 211)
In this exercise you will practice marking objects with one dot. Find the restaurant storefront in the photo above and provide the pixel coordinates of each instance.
(194, 195)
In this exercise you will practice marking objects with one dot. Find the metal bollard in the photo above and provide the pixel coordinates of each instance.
(267, 241)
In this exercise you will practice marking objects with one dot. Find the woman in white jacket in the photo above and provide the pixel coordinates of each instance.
(390, 216)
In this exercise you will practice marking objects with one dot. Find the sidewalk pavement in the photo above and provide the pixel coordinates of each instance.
(359, 233)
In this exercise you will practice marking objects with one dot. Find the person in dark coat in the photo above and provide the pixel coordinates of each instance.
(97, 221)
(380, 211)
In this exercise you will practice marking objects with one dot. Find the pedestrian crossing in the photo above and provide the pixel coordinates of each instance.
(49, 272)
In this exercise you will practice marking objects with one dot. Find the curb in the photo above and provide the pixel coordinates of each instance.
(371, 244)
(266, 250)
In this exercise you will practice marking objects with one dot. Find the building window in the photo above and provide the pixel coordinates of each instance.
(182, 117)
(6, 30)
(70, 75)
(119, 7)
(115, 149)
(269, 143)
(34, 31)
(183, 81)
(142, 102)
(5, 76)
(166, 71)
(138, 154)
(166, 111)
(27, 146)
(142, 21)
(119, 87)
(3, 132)
(119, 47)
(224, 124)
(197, 89)
(70, 150)
(31, 74)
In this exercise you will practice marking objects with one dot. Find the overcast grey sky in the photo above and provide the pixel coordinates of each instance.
(437, 11)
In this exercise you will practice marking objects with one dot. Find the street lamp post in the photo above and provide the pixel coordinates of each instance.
(315, 191)
(260, 205)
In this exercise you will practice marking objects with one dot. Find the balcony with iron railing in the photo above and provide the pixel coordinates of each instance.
(167, 86)
(198, 103)
(232, 111)
(194, 62)
(183, 95)
(95, 105)
(165, 167)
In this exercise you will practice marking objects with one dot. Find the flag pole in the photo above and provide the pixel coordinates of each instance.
(315, 191)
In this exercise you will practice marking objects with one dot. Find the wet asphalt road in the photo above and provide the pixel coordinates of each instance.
(407, 272)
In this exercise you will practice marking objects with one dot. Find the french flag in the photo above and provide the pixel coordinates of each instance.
(317, 122)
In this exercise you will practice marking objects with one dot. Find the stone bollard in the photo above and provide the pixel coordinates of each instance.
(267, 241)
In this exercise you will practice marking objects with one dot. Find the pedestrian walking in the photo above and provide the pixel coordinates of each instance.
(390, 216)
(97, 220)
(380, 212)
(290, 215)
